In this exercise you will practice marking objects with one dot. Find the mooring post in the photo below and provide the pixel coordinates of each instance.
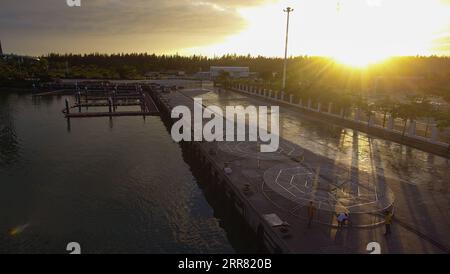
(111, 124)
(143, 102)
(114, 100)
(67, 107)
(79, 101)
(69, 127)
(86, 96)
(110, 104)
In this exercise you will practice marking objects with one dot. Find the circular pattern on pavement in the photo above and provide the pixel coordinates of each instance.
(333, 190)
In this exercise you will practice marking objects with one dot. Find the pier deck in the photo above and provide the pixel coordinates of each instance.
(127, 98)
(282, 184)
(111, 114)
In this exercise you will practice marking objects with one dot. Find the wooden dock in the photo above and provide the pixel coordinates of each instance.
(111, 99)
(110, 114)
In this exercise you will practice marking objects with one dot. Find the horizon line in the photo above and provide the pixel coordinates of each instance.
(248, 55)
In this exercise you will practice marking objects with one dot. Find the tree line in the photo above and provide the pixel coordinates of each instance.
(321, 79)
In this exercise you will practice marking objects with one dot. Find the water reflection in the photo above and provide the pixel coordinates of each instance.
(69, 127)
(9, 146)
(114, 186)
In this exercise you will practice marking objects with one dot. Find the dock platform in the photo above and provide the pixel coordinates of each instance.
(111, 100)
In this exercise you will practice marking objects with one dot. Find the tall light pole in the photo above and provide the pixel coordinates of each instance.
(288, 10)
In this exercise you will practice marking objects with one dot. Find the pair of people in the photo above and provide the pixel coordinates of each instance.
(342, 218)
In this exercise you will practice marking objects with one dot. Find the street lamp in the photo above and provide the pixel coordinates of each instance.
(288, 10)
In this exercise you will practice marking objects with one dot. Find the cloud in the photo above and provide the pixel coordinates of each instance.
(442, 44)
(238, 3)
(111, 16)
(189, 22)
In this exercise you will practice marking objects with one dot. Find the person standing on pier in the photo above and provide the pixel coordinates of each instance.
(387, 222)
(311, 212)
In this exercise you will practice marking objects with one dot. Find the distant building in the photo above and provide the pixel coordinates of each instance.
(165, 74)
(203, 75)
(234, 72)
(173, 73)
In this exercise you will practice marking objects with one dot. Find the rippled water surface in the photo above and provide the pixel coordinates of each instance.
(119, 186)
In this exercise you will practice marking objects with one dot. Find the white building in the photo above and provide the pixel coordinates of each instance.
(234, 72)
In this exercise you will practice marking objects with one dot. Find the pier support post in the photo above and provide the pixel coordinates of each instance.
(358, 115)
(291, 97)
(114, 99)
(110, 104)
(86, 96)
(412, 128)
(67, 107)
(282, 96)
(434, 133)
(319, 107)
(371, 121)
(309, 103)
(79, 101)
(330, 105)
(143, 102)
(390, 124)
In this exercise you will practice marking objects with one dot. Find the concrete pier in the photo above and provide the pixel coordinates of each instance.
(272, 192)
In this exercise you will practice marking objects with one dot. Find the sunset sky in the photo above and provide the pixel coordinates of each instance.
(350, 30)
